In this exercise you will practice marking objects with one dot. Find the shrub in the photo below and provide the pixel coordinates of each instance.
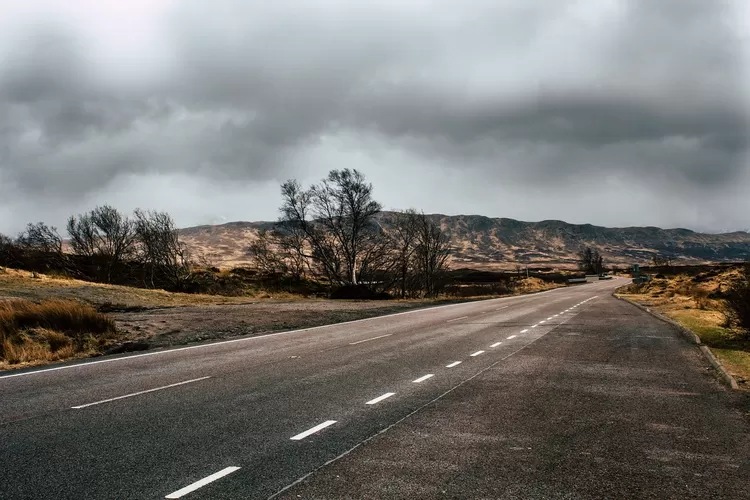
(738, 302)
(30, 331)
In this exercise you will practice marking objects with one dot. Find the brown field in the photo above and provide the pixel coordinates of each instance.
(690, 300)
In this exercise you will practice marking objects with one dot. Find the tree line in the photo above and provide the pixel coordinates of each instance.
(107, 246)
(331, 230)
(328, 232)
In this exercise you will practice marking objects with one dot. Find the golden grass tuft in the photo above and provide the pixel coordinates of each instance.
(50, 330)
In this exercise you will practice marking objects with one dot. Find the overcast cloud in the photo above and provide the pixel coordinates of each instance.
(613, 112)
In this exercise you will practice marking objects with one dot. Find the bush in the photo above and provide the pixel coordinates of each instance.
(738, 302)
(30, 331)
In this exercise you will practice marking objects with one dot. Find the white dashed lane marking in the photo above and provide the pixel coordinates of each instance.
(496, 344)
(380, 398)
(423, 378)
(198, 484)
(313, 430)
(139, 393)
(476, 353)
(456, 319)
(373, 338)
(455, 363)
(512, 337)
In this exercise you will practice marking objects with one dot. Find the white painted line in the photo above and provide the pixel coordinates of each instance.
(138, 393)
(380, 398)
(203, 482)
(456, 319)
(373, 338)
(543, 322)
(524, 331)
(476, 353)
(549, 319)
(319, 427)
(534, 326)
(496, 344)
(455, 363)
(423, 378)
(512, 337)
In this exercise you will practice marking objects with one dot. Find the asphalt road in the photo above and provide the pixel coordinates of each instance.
(564, 394)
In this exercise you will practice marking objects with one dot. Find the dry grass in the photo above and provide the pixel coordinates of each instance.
(35, 287)
(688, 301)
(532, 285)
(51, 330)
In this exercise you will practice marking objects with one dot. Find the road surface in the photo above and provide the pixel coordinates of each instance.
(564, 394)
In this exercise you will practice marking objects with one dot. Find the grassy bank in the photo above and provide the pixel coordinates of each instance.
(695, 301)
(34, 333)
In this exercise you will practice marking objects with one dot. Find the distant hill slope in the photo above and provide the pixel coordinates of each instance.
(484, 242)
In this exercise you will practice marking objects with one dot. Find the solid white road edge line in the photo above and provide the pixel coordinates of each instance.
(476, 353)
(373, 338)
(138, 393)
(198, 484)
(313, 430)
(267, 335)
(455, 363)
(380, 398)
(423, 378)
(496, 344)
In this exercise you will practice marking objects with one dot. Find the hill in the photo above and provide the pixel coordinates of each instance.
(487, 243)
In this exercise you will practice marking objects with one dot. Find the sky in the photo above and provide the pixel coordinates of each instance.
(611, 112)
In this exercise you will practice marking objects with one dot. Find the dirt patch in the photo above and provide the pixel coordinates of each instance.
(181, 325)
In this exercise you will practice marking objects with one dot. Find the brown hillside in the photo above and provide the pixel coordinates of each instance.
(484, 242)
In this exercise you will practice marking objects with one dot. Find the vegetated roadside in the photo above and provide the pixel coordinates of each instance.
(138, 318)
(696, 297)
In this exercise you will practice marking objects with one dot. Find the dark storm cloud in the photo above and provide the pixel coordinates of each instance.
(526, 91)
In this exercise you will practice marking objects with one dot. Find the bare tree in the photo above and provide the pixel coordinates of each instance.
(83, 235)
(431, 254)
(116, 235)
(292, 246)
(9, 251)
(404, 237)
(335, 220)
(103, 232)
(267, 255)
(40, 238)
(160, 248)
(590, 261)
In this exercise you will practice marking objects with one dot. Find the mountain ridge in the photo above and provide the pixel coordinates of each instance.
(500, 242)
